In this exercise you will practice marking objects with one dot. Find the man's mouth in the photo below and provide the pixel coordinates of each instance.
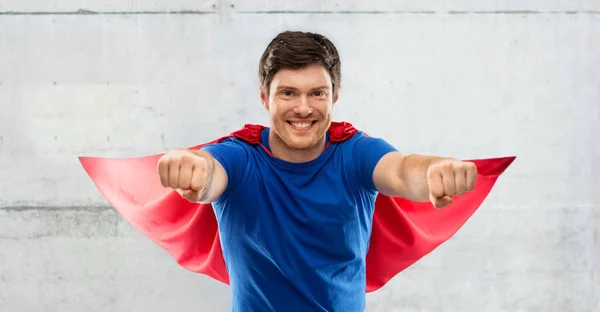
(302, 125)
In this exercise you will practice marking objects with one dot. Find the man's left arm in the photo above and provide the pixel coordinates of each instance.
(424, 178)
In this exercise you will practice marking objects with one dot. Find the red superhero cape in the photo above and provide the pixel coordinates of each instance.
(403, 231)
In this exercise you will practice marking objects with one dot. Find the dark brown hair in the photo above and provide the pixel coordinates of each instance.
(295, 50)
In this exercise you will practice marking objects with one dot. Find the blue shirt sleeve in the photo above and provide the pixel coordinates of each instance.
(232, 155)
(367, 153)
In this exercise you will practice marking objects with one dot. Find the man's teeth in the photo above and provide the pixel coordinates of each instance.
(301, 124)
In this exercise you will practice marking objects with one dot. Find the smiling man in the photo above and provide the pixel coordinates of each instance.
(300, 102)
(295, 207)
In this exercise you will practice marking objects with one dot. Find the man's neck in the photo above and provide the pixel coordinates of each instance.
(281, 151)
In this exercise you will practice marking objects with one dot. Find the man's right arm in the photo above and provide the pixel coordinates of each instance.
(216, 180)
(196, 175)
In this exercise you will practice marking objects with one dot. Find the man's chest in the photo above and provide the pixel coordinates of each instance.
(313, 198)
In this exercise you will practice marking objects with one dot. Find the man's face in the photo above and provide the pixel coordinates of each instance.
(300, 102)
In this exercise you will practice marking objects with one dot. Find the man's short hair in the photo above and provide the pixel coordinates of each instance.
(295, 50)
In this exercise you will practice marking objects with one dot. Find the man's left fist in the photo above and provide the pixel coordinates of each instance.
(449, 178)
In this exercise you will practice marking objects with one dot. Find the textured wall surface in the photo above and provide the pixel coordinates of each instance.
(466, 79)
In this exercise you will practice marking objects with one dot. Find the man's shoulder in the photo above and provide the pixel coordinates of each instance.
(231, 145)
(362, 145)
(358, 137)
(233, 141)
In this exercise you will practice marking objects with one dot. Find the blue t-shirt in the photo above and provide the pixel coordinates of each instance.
(295, 236)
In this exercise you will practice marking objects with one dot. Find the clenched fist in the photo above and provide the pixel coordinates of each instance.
(189, 172)
(450, 178)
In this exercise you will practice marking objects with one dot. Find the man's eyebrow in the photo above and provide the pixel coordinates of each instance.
(286, 87)
(294, 88)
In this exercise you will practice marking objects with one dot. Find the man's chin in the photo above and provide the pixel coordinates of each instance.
(299, 144)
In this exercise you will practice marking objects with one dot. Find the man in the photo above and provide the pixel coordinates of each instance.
(295, 211)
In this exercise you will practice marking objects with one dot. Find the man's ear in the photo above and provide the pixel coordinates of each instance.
(336, 96)
(264, 97)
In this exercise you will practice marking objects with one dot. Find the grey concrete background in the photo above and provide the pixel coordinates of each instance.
(468, 79)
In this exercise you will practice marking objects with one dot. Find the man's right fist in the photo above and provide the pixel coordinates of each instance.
(189, 172)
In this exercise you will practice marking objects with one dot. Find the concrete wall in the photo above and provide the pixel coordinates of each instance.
(468, 79)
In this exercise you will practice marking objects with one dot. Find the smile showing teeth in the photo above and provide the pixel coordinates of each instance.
(301, 124)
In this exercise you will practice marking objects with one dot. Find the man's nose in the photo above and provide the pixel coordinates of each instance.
(303, 107)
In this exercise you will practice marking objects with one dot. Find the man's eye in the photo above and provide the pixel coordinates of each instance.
(319, 93)
(286, 93)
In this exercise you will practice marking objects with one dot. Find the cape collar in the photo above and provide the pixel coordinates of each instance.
(338, 132)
